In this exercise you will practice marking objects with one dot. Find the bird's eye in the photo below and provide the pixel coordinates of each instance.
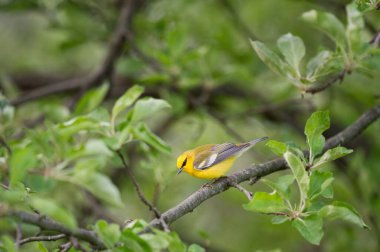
(184, 162)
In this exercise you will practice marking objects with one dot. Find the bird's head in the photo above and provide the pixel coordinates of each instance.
(183, 161)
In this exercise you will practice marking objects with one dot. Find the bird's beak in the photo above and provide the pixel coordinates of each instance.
(180, 170)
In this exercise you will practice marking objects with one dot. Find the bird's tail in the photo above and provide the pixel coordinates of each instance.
(246, 146)
(253, 142)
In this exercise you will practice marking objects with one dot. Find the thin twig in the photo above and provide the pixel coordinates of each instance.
(152, 62)
(76, 244)
(43, 238)
(5, 145)
(4, 186)
(320, 87)
(18, 235)
(254, 180)
(140, 194)
(312, 89)
(65, 247)
(247, 193)
(278, 214)
(264, 169)
(156, 194)
(376, 39)
(48, 224)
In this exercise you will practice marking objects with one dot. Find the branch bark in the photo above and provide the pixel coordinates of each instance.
(43, 238)
(261, 170)
(51, 225)
(320, 87)
(140, 194)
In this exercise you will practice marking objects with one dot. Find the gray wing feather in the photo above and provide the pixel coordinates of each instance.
(221, 152)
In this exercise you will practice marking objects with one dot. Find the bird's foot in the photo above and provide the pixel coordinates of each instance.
(209, 184)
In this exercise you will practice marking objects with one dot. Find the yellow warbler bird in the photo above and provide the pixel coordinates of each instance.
(212, 161)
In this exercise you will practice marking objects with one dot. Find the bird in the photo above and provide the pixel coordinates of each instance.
(212, 161)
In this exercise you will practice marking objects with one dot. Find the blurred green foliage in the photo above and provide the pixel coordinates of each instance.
(208, 72)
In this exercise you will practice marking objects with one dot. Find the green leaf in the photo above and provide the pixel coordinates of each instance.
(340, 210)
(171, 240)
(42, 248)
(195, 248)
(319, 183)
(281, 185)
(279, 219)
(317, 66)
(94, 147)
(328, 193)
(100, 114)
(264, 202)
(367, 5)
(15, 194)
(175, 243)
(91, 99)
(270, 58)
(134, 242)
(310, 228)
(99, 185)
(154, 78)
(54, 112)
(293, 49)
(277, 147)
(142, 132)
(156, 242)
(148, 107)
(317, 123)
(176, 40)
(77, 124)
(355, 23)
(329, 24)
(21, 160)
(91, 163)
(48, 207)
(108, 233)
(126, 100)
(299, 172)
(8, 243)
(331, 155)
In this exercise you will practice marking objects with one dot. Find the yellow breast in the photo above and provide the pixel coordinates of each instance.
(212, 172)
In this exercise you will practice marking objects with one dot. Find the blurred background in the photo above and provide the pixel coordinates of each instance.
(196, 55)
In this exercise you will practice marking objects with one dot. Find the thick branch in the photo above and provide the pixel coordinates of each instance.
(51, 225)
(115, 49)
(260, 170)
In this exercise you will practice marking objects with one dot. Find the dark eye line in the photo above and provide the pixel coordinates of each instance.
(184, 162)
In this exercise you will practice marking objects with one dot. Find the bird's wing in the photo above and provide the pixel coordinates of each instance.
(217, 154)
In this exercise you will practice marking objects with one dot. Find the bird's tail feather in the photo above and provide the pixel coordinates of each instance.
(253, 142)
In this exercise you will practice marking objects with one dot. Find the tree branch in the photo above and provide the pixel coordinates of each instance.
(5, 145)
(103, 72)
(143, 199)
(260, 170)
(43, 238)
(312, 89)
(376, 39)
(51, 225)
